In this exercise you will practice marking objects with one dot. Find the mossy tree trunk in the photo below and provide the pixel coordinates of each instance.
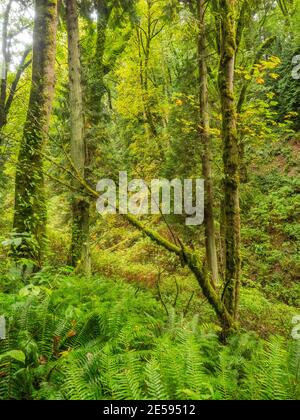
(228, 48)
(30, 209)
(80, 252)
(204, 128)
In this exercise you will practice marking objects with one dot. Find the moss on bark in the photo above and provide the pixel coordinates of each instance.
(30, 209)
(228, 49)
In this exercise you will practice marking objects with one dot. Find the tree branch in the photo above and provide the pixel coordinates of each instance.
(22, 67)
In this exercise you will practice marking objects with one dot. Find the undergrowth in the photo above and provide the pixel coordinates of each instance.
(68, 338)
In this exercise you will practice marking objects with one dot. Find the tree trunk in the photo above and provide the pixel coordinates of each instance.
(230, 156)
(80, 254)
(145, 87)
(4, 67)
(6, 98)
(97, 86)
(30, 209)
(210, 240)
(4, 72)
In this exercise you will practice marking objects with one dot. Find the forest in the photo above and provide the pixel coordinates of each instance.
(149, 200)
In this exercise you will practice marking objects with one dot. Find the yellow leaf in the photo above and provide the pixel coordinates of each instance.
(274, 75)
(71, 333)
(64, 353)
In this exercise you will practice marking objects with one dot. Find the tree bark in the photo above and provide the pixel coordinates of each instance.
(228, 50)
(6, 98)
(80, 252)
(97, 86)
(5, 64)
(210, 240)
(30, 209)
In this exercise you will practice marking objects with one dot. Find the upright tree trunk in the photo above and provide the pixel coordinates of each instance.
(230, 156)
(98, 88)
(80, 254)
(7, 95)
(4, 72)
(210, 240)
(145, 86)
(30, 209)
(4, 66)
(83, 145)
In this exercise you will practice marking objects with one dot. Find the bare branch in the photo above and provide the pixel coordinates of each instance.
(22, 67)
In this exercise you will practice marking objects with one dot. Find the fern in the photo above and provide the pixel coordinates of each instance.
(155, 384)
(117, 345)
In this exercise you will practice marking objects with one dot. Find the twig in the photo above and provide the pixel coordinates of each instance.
(188, 304)
(177, 293)
(59, 181)
(159, 294)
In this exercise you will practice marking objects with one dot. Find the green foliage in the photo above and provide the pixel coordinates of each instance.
(153, 335)
(270, 202)
(107, 340)
(288, 89)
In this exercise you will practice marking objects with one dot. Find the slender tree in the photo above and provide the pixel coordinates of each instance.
(80, 256)
(103, 10)
(5, 63)
(228, 47)
(8, 91)
(145, 38)
(204, 128)
(30, 211)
